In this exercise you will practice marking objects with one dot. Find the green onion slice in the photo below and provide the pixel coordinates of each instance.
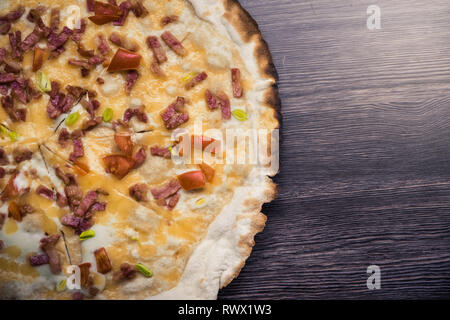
(87, 234)
(44, 83)
(240, 114)
(108, 114)
(72, 118)
(144, 270)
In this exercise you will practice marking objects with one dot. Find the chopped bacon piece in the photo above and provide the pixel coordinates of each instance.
(236, 82)
(73, 195)
(39, 260)
(124, 42)
(78, 295)
(14, 40)
(139, 157)
(96, 60)
(61, 200)
(118, 165)
(127, 272)
(14, 113)
(2, 244)
(2, 54)
(158, 51)
(173, 201)
(2, 220)
(32, 39)
(7, 77)
(124, 143)
(211, 100)
(5, 26)
(48, 246)
(100, 80)
(6, 20)
(160, 152)
(3, 157)
(125, 6)
(54, 19)
(167, 190)
(138, 8)
(45, 192)
(78, 150)
(174, 116)
(103, 263)
(192, 180)
(196, 80)
(56, 41)
(103, 46)
(139, 192)
(12, 66)
(169, 19)
(80, 63)
(91, 106)
(88, 200)
(2, 172)
(38, 58)
(67, 178)
(138, 112)
(132, 78)
(224, 102)
(63, 137)
(173, 43)
(20, 155)
(156, 69)
(77, 33)
(71, 221)
(91, 123)
(84, 52)
(90, 5)
(124, 60)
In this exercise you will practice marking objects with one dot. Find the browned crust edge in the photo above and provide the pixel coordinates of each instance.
(249, 31)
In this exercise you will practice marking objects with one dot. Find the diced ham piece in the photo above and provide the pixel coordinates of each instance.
(90, 5)
(124, 42)
(156, 69)
(127, 272)
(71, 221)
(236, 82)
(158, 51)
(211, 100)
(15, 40)
(103, 46)
(45, 192)
(167, 190)
(224, 102)
(196, 80)
(38, 260)
(54, 19)
(173, 43)
(22, 154)
(88, 200)
(173, 201)
(77, 33)
(138, 112)
(169, 19)
(138, 8)
(160, 152)
(139, 157)
(132, 78)
(78, 150)
(139, 192)
(6, 20)
(32, 39)
(58, 40)
(7, 77)
(48, 246)
(125, 6)
(174, 116)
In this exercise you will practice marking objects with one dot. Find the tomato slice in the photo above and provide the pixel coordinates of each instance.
(118, 165)
(103, 8)
(208, 171)
(101, 19)
(192, 180)
(124, 143)
(124, 60)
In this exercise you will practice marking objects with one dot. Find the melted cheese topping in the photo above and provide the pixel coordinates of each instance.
(161, 239)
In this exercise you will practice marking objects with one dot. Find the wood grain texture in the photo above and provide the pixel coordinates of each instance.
(365, 170)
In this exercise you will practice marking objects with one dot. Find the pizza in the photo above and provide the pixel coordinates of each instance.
(118, 179)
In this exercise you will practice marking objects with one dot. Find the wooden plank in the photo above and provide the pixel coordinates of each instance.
(365, 176)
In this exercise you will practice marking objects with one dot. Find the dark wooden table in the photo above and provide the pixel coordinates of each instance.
(365, 158)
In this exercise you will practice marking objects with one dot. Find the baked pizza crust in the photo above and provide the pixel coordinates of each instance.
(211, 266)
(219, 257)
